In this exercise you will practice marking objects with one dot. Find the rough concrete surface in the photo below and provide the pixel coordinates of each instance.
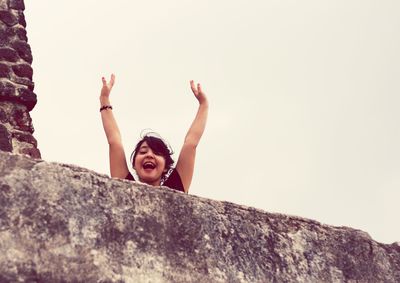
(62, 223)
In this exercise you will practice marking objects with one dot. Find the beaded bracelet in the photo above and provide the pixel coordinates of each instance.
(105, 107)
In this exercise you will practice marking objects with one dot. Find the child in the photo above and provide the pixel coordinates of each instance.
(151, 158)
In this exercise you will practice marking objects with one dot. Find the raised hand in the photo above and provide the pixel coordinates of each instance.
(187, 156)
(198, 92)
(107, 86)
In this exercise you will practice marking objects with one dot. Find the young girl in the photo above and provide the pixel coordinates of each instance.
(151, 158)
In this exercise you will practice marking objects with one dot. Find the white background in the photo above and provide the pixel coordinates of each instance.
(304, 96)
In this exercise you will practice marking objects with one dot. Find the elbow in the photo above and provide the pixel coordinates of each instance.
(115, 140)
(115, 145)
(112, 143)
(192, 143)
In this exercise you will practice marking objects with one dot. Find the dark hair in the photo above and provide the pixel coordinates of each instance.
(158, 146)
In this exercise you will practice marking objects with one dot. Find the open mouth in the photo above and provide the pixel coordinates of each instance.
(149, 165)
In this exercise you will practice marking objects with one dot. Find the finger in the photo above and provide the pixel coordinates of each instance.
(199, 88)
(112, 79)
(103, 80)
(193, 87)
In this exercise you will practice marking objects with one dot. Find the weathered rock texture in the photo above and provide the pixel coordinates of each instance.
(61, 223)
(16, 87)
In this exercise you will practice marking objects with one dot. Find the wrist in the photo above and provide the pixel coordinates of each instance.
(105, 107)
(203, 103)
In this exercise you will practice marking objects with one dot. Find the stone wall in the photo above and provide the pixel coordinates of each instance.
(62, 223)
(16, 86)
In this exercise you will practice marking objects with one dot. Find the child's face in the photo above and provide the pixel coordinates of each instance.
(148, 165)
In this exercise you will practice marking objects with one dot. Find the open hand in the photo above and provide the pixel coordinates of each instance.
(107, 86)
(198, 92)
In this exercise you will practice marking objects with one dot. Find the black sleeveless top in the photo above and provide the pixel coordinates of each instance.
(174, 181)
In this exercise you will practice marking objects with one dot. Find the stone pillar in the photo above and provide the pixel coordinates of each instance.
(16, 86)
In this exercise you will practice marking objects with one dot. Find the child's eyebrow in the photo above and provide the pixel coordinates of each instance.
(144, 147)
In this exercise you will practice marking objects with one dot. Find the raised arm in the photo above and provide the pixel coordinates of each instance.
(187, 156)
(118, 166)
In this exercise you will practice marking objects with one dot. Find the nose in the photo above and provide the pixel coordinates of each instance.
(150, 154)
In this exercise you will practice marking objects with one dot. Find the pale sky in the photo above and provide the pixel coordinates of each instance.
(304, 97)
